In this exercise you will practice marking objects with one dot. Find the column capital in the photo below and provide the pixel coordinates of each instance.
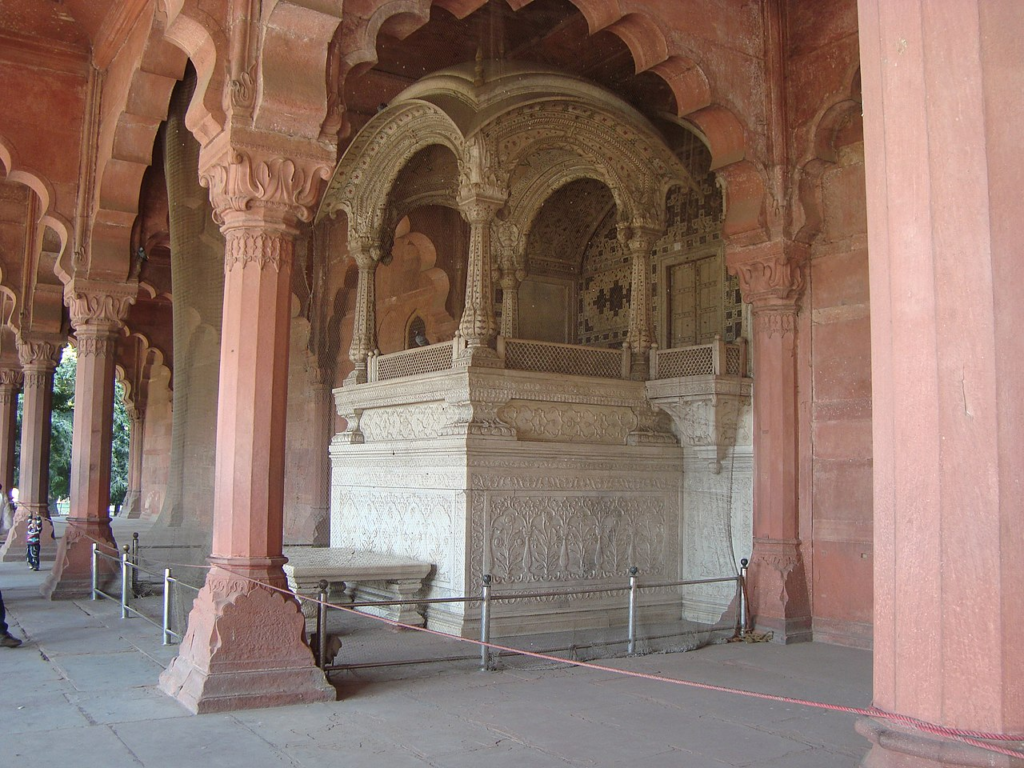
(364, 252)
(39, 351)
(11, 378)
(638, 237)
(771, 274)
(478, 202)
(263, 181)
(98, 307)
(507, 245)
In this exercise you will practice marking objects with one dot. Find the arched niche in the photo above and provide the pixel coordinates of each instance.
(552, 304)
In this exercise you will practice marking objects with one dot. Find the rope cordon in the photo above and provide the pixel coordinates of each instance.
(972, 738)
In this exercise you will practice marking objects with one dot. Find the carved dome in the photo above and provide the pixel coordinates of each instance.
(495, 119)
(475, 94)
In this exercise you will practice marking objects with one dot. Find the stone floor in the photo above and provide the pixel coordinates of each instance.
(81, 691)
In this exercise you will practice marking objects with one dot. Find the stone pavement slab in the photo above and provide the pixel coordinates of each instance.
(82, 692)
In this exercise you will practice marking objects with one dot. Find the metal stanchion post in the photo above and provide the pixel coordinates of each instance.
(321, 625)
(485, 624)
(631, 647)
(167, 606)
(135, 562)
(125, 581)
(92, 594)
(743, 596)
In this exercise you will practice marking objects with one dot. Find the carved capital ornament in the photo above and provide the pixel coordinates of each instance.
(99, 305)
(242, 180)
(771, 274)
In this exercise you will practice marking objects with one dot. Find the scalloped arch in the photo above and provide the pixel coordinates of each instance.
(119, 173)
(392, 139)
(200, 37)
(820, 155)
(542, 187)
(636, 167)
(44, 192)
(639, 30)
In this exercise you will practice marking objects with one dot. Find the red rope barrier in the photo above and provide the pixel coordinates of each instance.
(973, 738)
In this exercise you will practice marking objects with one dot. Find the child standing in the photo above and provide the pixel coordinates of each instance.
(35, 531)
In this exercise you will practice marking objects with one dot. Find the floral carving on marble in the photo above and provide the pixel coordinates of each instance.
(410, 422)
(564, 422)
(543, 539)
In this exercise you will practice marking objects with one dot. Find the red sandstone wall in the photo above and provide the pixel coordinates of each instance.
(156, 452)
(309, 431)
(835, 350)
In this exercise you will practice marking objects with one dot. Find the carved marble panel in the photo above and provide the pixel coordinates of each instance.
(408, 422)
(717, 528)
(569, 538)
(562, 422)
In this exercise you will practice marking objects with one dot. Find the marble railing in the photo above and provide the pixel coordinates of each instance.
(714, 359)
(410, 362)
(569, 359)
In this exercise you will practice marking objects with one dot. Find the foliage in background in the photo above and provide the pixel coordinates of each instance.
(61, 422)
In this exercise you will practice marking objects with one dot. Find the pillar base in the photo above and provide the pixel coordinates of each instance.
(244, 648)
(477, 355)
(13, 549)
(71, 577)
(131, 507)
(893, 746)
(778, 591)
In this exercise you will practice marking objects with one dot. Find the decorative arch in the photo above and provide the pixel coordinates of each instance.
(44, 192)
(126, 148)
(540, 189)
(631, 160)
(640, 30)
(367, 172)
(821, 153)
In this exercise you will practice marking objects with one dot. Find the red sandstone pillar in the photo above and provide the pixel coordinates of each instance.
(97, 312)
(38, 360)
(245, 644)
(11, 381)
(771, 279)
(943, 86)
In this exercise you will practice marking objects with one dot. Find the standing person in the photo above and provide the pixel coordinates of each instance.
(35, 531)
(6, 639)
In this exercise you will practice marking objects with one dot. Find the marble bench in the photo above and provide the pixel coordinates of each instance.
(360, 575)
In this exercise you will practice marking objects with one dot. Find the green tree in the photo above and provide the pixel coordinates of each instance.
(119, 449)
(62, 418)
(61, 423)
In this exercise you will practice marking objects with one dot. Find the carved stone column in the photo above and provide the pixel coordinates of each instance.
(259, 198)
(638, 242)
(771, 279)
(478, 203)
(11, 381)
(364, 324)
(97, 313)
(132, 505)
(38, 360)
(510, 274)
